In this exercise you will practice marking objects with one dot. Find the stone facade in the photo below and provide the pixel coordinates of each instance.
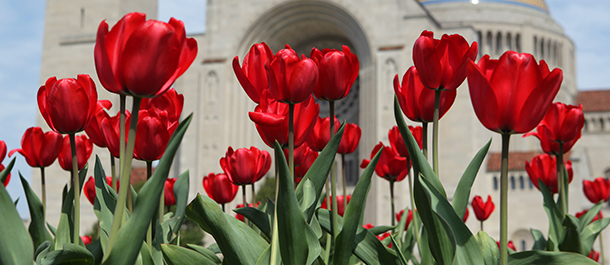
(381, 33)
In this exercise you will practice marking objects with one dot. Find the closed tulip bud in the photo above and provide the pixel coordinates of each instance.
(409, 217)
(111, 128)
(153, 133)
(416, 101)
(340, 207)
(594, 255)
(219, 188)
(2, 155)
(68, 104)
(390, 166)
(442, 63)
(597, 190)
(89, 188)
(561, 123)
(291, 79)
(337, 72)
(142, 57)
(398, 143)
(169, 197)
(544, 167)
(40, 149)
(84, 147)
(482, 210)
(171, 102)
(252, 74)
(94, 129)
(245, 166)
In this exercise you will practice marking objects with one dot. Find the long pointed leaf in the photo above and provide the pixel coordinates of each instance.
(181, 192)
(69, 254)
(554, 215)
(462, 191)
(489, 248)
(586, 218)
(132, 233)
(590, 233)
(175, 255)
(539, 240)
(257, 217)
(570, 240)
(38, 229)
(548, 258)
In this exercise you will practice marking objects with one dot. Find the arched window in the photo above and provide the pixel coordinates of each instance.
(521, 182)
(499, 43)
(509, 41)
(489, 42)
(584, 127)
(512, 182)
(518, 43)
(601, 124)
(535, 46)
(495, 183)
(542, 51)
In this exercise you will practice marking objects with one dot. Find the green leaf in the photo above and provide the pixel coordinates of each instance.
(554, 215)
(318, 172)
(175, 255)
(377, 230)
(68, 199)
(539, 240)
(586, 218)
(181, 193)
(548, 258)
(237, 241)
(265, 258)
(570, 240)
(146, 256)
(132, 233)
(462, 192)
(309, 200)
(420, 163)
(70, 254)
(371, 251)
(7, 171)
(95, 248)
(104, 204)
(590, 233)
(38, 230)
(489, 248)
(352, 218)
(291, 223)
(15, 244)
(206, 252)
(63, 235)
(257, 217)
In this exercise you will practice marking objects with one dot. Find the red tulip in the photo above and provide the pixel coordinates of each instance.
(94, 129)
(390, 166)
(68, 104)
(241, 205)
(409, 217)
(594, 255)
(271, 119)
(562, 123)
(2, 155)
(245, 166)
(598, 216)
(482, 210)
(39, 149)
(303, 158)
(544, 167)
(416, 101)
(398, 144)
(168, 191)
(442, 63)
(350, 139)
(368, 226)
(510, 244)
(152, 135)
(466, 214)
(84, 147)
(219, 188)
(142, 57)
(89, 188)
(512, 94)
(597, 190)
(340, 207)
(384, 236)
(111, 128)
(170, 102)
(320, 134)
(291, 80)
(337, 72)
(86, 240)
(252, 75)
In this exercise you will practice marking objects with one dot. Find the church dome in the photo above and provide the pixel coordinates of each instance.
(539, 5)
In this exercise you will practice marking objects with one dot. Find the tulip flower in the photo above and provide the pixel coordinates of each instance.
(303, 158)
(391, 166)
(562, 125)
(398, 143)
(153, 133)
(416, 101)
(466, 214)
(245, 166)
(442, 63)
(94, 129)
(271, 119)
(219, 188)
(320, 134)
(350, 139)
(8, 178)
(171, 102)
(510, 245)
(543, 167)
(169, 197)
(594, 255)
(368, 226)
(86, 240)
(111, 129)
(241, 205)
(84, 148)
(89, 188)
(252, 74)
(291, 79)
(409, 218)
(597, 190)
(598, 216)
(142, 57)
(2, 156)
(68, 104)
(482, 209)
(340, 204)
(39, 149)
(337, 72)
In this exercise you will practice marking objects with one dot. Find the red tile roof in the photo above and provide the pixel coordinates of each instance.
(516, 160)
(594, 100)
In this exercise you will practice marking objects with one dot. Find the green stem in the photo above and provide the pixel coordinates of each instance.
(243, 193)
(562, 185)
(113, 172)
(344, 182)
(329, 236)
(125, 176)
(150, 224)
(275, 247)
(333, 179)
(392, 203)
(481, 225)
(601, 247)
(504, 200)
(414, 219)
(424, 149)
(291, 141)
(122, 139)
(44, 191)
(76, 188)
(253, 194)
(223, 208)
(437, 103)
(162, 205)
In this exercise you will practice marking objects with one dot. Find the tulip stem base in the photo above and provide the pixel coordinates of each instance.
(333, 179)
(253, 194)
(562, 184)
(392, 203)
(481, 225)
(344, 181)
(124, 176)
(437, 103)
(424, 149)
(44, 191)
(243, 193)
(504, 201)
(76, 189)
(113, 172)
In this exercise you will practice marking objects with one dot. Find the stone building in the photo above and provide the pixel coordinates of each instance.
(381, 33)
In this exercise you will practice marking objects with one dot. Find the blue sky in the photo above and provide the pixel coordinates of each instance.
(21, 28)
